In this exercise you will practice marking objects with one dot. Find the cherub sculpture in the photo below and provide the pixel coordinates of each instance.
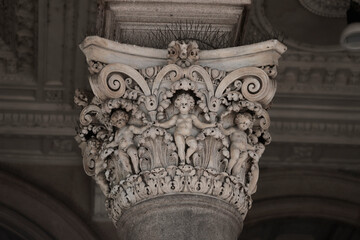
(183, 123)
(239, 144)
(124, 140)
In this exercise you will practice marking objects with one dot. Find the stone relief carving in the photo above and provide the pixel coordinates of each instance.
(180, 127)
(184, 123)
(328, 129)
(338, 73)
(183, 54)
(239, 143)
(17, 43)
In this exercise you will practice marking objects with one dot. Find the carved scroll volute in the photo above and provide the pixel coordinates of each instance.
(212, 103)
(110, 83)
(256, 85)
(176, 128)
(87, 114)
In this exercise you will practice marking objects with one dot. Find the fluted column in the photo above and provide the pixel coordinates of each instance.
(173, 138)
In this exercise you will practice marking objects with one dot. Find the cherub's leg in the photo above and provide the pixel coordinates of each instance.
(124, 159)
(253, 178)
(180, 144)
(239, 163)
(234, 155)
(192, 143)
(103, 184)
(134, 158)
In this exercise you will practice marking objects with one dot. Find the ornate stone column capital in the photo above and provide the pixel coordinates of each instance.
(185, 123)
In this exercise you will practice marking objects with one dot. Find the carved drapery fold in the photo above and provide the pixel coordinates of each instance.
(176, 128)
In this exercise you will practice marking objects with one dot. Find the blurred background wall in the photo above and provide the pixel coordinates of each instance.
(309, 187)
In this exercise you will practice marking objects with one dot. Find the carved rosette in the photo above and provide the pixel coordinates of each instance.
(177, 128)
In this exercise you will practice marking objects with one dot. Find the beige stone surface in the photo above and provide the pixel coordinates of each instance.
(156, 133)
(314, 115)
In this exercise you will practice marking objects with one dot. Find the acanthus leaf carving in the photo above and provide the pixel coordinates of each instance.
(176, 128)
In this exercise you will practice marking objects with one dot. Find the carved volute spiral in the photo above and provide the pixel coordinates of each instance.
(181, 127)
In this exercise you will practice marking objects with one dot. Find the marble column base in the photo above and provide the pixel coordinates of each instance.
(181, 216)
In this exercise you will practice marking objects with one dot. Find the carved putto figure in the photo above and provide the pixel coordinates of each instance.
(183, 123)
(239, 144)
(124, 140)
(133, 160)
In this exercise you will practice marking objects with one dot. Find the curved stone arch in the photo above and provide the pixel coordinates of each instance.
(110, 84)
(312, 198)
(37, 214)
(178, 73)
(316, 207)
(20, 226)
(256, 85)
(261, 21)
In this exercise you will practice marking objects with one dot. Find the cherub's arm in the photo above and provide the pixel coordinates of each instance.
(112, 144)
(115, 141)
(246, 146)
(167, 124)
(226, 132)
(200, 124)
(138, 130)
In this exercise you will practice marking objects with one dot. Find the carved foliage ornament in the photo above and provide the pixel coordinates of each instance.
(175, 128)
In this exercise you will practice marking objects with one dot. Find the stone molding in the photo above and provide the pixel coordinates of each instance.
(320, 73)
(127, 22)
(318, 131)
(177, 179)
(179, 127)
(105, 51)
(37, 119)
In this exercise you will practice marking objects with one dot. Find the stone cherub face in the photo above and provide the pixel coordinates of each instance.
(119, 119)
(183, 54)
(184, 103)
(243, 121)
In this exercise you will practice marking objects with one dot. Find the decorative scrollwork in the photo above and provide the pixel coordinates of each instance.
(256, 85)
(175, 128)
(86, 115)
(110, 82)
(173, 73)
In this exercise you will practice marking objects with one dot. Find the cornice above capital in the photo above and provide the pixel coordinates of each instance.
(228, 59)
